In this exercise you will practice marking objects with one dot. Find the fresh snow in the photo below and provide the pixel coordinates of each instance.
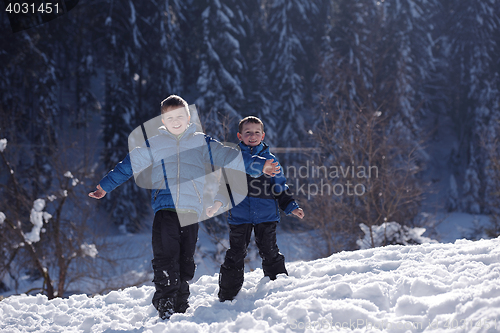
(452, 287)
(89, 250)
(74, 181)
(37, 217)
(391, 231)
(3, 145)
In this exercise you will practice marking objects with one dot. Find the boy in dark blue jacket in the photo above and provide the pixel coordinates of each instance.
(258, 212)
(177, 157)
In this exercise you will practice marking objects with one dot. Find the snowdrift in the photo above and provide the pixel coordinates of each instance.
(424, 288)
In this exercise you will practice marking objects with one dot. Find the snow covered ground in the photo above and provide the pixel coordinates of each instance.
(425, 288)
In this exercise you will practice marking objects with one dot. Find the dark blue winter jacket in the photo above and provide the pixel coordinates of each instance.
(177, 167)
(265, 194)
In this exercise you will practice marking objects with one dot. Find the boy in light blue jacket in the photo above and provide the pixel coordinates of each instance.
(177, 156)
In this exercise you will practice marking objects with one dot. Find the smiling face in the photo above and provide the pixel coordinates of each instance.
(251, 134)
(176, 120)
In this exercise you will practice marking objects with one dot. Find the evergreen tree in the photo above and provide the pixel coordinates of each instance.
(376, 58)
(380, 56)
(167, 69)
(221, 68)
(76, 56)
(288, 29)
(406, 48)
(256, 81)
(473, 54)
(29, 103)
(192, 25)
(119, 108)
(453, 202)
(46, 96)
(143, 51)
(472, 187)
(349, 45)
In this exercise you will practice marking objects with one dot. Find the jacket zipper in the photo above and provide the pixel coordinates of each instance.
(178, 172)
(196, 190)
(159, 188)
(178, 175)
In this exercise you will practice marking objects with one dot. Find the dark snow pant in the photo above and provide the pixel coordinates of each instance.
(232, 270)
(173, 253)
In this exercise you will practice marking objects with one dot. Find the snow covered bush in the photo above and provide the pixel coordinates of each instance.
(3, 144)
(46, 237)
(37, 217)
(377, 178)
(391, 233)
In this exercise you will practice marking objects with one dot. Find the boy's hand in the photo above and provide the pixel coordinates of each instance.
(270, 168)
(98, 194)
(214, 208)
(298, 212)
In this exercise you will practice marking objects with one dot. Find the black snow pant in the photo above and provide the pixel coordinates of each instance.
(232, 270)
(173, 257)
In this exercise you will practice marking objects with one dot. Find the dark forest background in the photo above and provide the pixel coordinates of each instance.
(411, 86)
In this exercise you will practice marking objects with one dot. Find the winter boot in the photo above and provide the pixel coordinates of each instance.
(181, 304)
(277, 266)
(230, 283)
(165, 307)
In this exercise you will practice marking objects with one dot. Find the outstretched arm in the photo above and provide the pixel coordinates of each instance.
(285, 199)
(233, 158)
(117, 176)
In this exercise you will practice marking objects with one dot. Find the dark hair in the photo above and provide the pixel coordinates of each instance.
(250, 120)
(174, 100)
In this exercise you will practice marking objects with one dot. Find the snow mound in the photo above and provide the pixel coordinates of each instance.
(391, 233)
(418, 288)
